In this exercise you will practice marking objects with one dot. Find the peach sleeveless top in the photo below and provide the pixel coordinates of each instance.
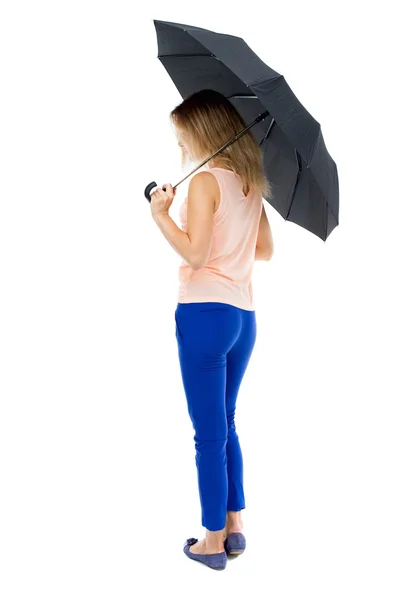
(227, 277)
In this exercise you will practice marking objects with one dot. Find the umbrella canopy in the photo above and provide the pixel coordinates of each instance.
(296, 161)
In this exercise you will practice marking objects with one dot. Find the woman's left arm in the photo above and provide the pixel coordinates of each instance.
(195, 245)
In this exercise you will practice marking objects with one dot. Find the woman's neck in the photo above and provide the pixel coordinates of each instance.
(215, 165)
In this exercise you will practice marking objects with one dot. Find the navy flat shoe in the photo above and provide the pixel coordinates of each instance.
(214, 561)
(235, 543)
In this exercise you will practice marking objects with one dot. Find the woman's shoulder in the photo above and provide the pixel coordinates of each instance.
(203, 180)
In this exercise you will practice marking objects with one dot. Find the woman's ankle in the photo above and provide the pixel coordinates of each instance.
(215, 541)
(234, 529)
(234, 523)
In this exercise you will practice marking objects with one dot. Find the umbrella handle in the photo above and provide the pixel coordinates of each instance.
(152, 186)
(149, 189)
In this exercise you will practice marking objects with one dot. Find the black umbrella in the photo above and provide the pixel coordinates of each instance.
(303, 175)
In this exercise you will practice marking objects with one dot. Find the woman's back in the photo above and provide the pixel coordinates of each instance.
(227, 277)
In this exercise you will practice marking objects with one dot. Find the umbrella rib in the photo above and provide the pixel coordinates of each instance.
(268, 132)
(295, 185)
(185, 55)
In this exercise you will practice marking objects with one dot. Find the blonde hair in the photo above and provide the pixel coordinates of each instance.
(209, 120)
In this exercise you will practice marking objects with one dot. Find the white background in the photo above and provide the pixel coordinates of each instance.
(97, 472)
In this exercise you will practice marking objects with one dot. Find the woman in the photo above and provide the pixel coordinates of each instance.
(224, 229)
